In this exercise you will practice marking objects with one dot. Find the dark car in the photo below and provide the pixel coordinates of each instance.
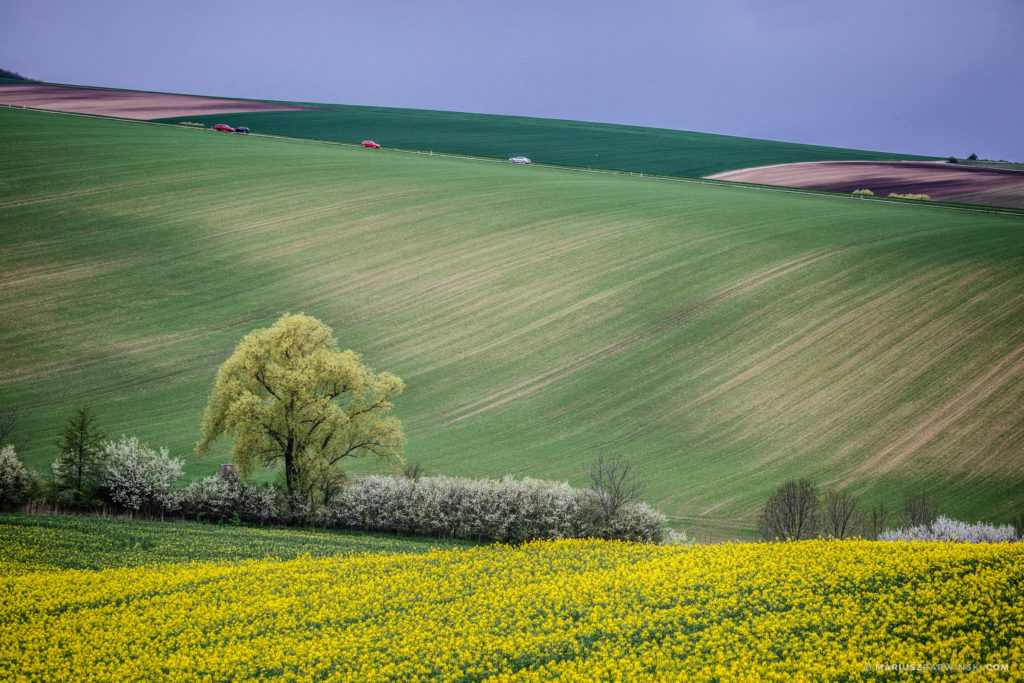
(242, 129)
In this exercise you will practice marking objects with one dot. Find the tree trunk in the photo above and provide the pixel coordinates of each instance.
(289, 465)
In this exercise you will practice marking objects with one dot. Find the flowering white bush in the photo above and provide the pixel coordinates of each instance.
(635, 522)
(217, 498)
(257, 504)
(136, 477)
(210, 499)
(506, 510)
(945, 529)
(17, 482)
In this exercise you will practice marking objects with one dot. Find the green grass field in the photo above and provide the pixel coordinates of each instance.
(40, 543)
(655, 151)
(726, 338)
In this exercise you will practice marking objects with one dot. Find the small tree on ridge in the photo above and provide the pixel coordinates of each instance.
(613, 484)
(791, 513)
(841, 518)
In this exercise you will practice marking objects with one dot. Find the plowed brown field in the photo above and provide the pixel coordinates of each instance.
(126, 104)
(939, 180)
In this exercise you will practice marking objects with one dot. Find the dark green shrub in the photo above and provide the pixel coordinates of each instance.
(14, 76)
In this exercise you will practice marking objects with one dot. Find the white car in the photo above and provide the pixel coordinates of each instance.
(518, 160)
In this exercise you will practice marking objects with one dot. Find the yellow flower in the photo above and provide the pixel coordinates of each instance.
(569, 610)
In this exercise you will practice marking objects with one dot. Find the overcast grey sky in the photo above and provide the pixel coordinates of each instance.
(933, 77)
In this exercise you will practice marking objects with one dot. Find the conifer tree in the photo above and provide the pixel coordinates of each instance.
(76, 471)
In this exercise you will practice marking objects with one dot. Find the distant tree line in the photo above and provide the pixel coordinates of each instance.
(798, 510)
(5, 73)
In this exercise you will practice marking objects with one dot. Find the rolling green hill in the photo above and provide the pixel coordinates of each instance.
(656, 151)
(727, 338)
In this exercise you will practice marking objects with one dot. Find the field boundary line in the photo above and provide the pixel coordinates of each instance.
(999, 211)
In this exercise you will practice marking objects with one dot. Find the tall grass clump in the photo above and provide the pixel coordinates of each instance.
(946, 529)
(505, 510)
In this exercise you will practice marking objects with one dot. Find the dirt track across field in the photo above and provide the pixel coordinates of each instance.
(939, 180)
(127, 104)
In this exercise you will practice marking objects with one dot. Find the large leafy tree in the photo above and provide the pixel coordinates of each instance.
(289, 394)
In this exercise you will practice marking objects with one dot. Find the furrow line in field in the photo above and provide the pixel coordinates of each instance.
(935, 341)
(106, 189)
(504, 262)
(936, 421)
(655, 329)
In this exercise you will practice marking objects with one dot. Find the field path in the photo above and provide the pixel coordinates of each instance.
(939, 180)
(127, 104)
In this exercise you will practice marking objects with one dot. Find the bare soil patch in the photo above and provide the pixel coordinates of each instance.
(939, 180)
(127, 104)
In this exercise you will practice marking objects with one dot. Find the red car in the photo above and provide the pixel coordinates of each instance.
(224, 127)
(370, 143)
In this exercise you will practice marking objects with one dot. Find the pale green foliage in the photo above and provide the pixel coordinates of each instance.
(17, 482)
(317, 480)
(864, 192)
(288, 393)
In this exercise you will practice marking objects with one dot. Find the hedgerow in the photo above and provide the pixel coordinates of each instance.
(946, 529)
(505, 510)
(221, 498)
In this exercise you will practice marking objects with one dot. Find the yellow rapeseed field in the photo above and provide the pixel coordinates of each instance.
(563, 610)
